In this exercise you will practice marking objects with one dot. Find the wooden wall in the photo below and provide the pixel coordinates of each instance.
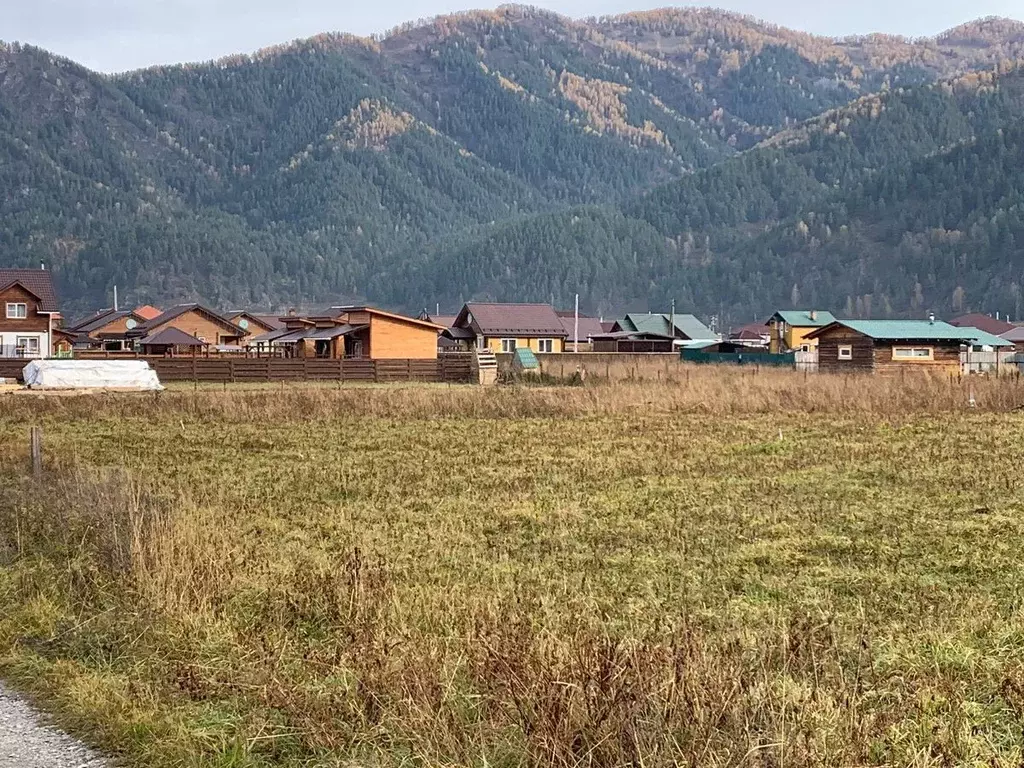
(828, 352)
(199, 325)
(557, 343)
(945, 358)
(392, 339)
(34, 323)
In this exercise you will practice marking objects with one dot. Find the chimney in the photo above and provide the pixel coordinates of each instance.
(814, 315)
(291, 312)
(42, 265)
(931, 318)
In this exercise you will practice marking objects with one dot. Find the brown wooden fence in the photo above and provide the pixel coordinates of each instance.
(450, 368)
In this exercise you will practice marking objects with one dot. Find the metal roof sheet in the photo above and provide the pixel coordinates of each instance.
(920, 330)
(37, 281)
(982, 322)
(661, 324)
(801, 318)
(515, 319)
(172, 337)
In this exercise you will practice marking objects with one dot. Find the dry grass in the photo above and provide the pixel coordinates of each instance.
(535, 577)
(689, 389)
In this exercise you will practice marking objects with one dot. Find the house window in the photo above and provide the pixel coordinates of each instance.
(508, 346)
(912, 353)
(27, 346)
(17, 310)
(805, 347)
(545, 345)
(845, 352)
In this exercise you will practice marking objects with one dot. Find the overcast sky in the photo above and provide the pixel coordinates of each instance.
(114, 35)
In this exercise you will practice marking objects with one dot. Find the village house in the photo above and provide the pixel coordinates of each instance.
(982, 322)
(108, 329)
(203, 325)
(886, 346)
(170, 341)
(589, 327)
(31, 313)
(254, 324)
(790, 330)
(652, 333)
(356, 332)
(508, 327)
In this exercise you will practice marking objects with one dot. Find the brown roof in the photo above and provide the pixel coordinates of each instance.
(750, 331)
(443, 320)
(982, 322)
(1015, 334)
(172, 337)
(38, 282)
(335, 312)
(589, 326)
(147, 312)
(512, 319)
(180, 310)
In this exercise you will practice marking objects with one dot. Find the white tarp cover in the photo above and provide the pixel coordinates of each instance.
(91, 374)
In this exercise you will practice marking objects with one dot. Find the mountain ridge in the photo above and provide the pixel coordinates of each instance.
(339, 167)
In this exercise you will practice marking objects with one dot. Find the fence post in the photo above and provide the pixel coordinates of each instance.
(35, 441)
(231, 370)
(376, 373)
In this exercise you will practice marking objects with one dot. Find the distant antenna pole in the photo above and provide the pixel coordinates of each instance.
(576, 327)
(438, 309)
(672, 320)
(115, 298)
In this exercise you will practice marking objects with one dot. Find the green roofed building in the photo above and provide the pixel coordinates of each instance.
(685, 327)
(871, 346)
(791, 329)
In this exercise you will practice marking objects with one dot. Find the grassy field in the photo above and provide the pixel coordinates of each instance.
(728, 570)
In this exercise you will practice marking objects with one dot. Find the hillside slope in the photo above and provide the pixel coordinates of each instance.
(344, 168)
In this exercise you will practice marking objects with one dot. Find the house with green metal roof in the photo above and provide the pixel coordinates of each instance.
(790, 329)
(685, 327)
(873, 346)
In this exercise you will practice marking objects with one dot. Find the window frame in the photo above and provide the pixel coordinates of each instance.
(549, 343)
(509, 346)
(14, 305)
(848, 349)
(22, 349)
(912, 356)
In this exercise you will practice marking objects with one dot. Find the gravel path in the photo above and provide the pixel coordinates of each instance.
(27, 742)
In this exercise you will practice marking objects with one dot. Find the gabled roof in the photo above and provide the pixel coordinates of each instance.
(589, 326)
(686, 326)
(511, 319)
(38, 282)
(446, 321)
(982, 323)
(750, 331)
(182, 309)
(172, 337)
(915, 330)
(801, 318)
(269, 322)
(1015, 334)
(98, 320)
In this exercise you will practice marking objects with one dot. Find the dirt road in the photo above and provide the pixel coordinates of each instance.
(27, 742)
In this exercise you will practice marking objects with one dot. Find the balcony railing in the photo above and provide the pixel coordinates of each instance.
(8, 351)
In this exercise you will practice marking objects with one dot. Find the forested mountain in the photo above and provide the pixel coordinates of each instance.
(520, 155)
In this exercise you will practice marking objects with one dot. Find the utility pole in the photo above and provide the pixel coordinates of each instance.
(576, 328)
(115, 298)
(672, 321)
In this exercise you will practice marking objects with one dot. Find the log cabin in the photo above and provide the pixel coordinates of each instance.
(890, 346)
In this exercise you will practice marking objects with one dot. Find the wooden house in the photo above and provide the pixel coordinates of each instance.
(356, 332)
(30, 313)
(109, 329)
(508, 327)
(206, 325)
(791, 330)
(982, 322)
(253, 323)
(887, 346)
